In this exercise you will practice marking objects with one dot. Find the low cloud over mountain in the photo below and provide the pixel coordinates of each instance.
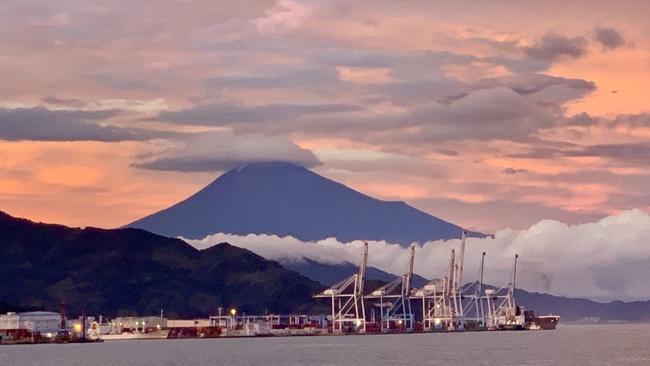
(603, 260)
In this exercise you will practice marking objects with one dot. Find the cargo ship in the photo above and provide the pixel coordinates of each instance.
(547, 322)
(542, 322)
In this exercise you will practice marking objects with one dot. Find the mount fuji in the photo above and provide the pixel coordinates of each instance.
(284, 199)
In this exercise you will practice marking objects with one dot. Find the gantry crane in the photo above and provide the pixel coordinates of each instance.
(395, 300)
(348, 310)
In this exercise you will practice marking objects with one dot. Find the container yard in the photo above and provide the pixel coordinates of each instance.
(442, 305)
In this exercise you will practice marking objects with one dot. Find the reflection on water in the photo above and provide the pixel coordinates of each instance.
(568, 345)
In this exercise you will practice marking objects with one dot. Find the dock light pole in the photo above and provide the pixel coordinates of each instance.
(233, 313)
(62, 313)
(83, 325)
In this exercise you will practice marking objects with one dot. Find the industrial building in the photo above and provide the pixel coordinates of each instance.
(35, 321)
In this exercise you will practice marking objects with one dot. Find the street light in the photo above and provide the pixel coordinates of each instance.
(233, 313)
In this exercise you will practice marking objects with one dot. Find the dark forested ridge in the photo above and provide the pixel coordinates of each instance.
(128, 271)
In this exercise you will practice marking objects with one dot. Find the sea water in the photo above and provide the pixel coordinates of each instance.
(620, 344)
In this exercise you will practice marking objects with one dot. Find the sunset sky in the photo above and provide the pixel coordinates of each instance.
(487, 114)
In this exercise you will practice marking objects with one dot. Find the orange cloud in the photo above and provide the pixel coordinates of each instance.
(86, 183)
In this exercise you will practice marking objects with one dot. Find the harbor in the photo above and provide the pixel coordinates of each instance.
(441, 305)
(624, 344)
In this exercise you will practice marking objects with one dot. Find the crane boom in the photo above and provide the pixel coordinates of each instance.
(409, 272)
(461, 261)
(362, 269)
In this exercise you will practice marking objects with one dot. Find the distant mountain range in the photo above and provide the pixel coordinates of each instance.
(285, 199)
(584, 310)
(575, 309)
(132, 271)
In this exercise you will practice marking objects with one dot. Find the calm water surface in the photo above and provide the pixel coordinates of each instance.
(567, 345)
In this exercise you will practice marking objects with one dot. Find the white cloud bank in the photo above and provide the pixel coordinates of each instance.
(604, 260)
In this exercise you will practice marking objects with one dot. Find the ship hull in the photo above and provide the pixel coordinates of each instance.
(547, 322)
(163, 334)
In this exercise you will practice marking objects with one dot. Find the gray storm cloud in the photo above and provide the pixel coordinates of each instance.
(609, 37)
(42, 124)
(603, 260)
(553, 46)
